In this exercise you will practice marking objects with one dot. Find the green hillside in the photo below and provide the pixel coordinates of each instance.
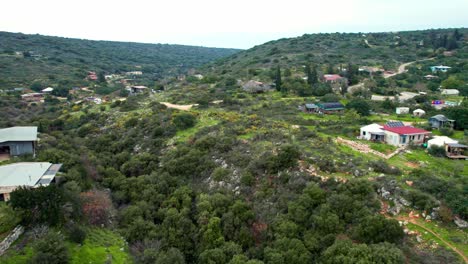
(386, 50)
(28, 58)
(205, 171)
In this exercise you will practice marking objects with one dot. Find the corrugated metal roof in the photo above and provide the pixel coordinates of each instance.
(440, 118)
(26, 133)
(331, 106)
(23, 173)
(311, 106)
(457, 145)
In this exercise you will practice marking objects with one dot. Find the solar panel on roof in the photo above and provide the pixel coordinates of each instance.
(395, 124)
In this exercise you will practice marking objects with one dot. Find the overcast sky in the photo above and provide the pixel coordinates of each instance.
(218, 23)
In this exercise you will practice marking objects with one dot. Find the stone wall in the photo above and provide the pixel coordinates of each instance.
(10, 239)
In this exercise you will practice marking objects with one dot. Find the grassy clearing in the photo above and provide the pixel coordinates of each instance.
(204, 120)
(100, 246)
(8, 220)
(423, 159)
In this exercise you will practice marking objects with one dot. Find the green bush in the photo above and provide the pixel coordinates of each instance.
(184, 120)
(51, 250)
(436, 151)
(76, 233)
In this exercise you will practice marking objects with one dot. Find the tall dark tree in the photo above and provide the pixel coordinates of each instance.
(451, 43)
(101, 77)
(278, 79)
(311, 73)
(457, 35)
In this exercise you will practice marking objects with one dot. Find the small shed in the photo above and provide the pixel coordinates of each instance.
(456, 151)
(47, 90)
(419, 112)
(402, 110)
(439, 121)
(440, 141)
(310, 108)
(449, 92)
(373, 132)
(17, 141)
(329, 108)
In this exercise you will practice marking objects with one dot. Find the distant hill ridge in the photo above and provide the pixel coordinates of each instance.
(26, 58)
(386, 49)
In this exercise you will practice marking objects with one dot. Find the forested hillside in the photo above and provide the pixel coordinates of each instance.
(28, 58)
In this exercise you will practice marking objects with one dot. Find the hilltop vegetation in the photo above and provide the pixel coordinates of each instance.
(386, 50)
(25, 59)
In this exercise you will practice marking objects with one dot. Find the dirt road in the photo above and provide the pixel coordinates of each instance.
(180, 107)
(401, 69)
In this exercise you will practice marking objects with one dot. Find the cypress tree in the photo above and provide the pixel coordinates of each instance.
(278, 79)
(457, 35)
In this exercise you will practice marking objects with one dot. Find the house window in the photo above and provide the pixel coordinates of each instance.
(363, 133)
(2, 197)
(419, 137)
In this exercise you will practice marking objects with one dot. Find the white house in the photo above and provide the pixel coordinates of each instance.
(47, 90)
(372, 132)
(404, 135)
(440, 141)
(419, 112)
(449, 91)
(440, 68)
(402, 110)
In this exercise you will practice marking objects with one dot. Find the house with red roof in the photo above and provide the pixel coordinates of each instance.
(404, 135)
(332, 78)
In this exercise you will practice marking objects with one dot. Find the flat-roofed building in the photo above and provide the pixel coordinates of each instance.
(28, 174)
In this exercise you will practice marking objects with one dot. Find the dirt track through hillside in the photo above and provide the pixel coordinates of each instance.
(401, 69)
(414, 222)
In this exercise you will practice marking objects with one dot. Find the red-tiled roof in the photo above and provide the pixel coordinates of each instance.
(332, 77)
(406, 130)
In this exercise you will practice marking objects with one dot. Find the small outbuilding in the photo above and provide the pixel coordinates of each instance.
(330, 108)
(138, 89)
(47, 90)
(402, 110)
(440, 141)
(449, 92)
(456, 151)
(17, 141)
(439, 121)
(440, 68)
(372, 132)
(310, 108)
(419, 112)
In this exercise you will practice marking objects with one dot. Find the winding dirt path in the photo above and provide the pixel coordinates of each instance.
(180, 107)
(414, 222)
(401, 69)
